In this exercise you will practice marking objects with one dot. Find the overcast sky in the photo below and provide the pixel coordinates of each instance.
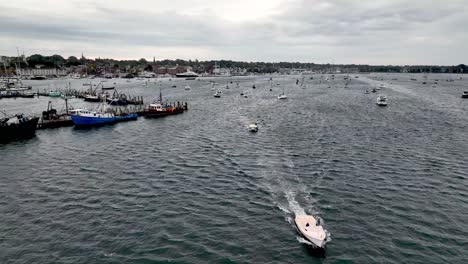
(321, 31)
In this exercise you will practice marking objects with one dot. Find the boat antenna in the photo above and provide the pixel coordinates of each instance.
(160, 95)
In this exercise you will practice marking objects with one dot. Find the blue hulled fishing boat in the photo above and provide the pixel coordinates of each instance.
(86, 118)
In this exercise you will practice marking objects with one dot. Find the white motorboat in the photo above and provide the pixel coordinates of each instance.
(465, 94)
(282, 96)
(311, 229)
(187, 88)
(217, 94)
(253, 127)
(382, 100)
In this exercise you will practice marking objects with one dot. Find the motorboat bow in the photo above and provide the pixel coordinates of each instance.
(282, 96)
(310, 227)
(382, 100)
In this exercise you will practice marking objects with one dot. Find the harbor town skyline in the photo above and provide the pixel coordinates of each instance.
(337, 32)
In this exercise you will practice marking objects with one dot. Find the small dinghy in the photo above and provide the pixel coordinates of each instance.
(311, 229)
(253, 127)
(282, 96)
(382, 100)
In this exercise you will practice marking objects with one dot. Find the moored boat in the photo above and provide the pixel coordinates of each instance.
(51, 119)
(84, 117)
(464, 94)
(187, 74)
(17, 127)
(156, 110)
(55, 94)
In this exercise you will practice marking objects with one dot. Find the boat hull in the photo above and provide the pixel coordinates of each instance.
(157, 114)
(23, 130)
(88, 121)
(91, 121)
(316, 242)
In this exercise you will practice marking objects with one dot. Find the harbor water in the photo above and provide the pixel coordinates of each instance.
(390, 183)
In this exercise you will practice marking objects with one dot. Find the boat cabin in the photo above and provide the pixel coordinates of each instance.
(156, 107)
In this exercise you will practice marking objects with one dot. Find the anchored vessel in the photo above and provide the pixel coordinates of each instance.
(17, 127)
(159, 110)
(465, 94)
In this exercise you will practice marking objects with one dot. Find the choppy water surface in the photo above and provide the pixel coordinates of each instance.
(390, 183)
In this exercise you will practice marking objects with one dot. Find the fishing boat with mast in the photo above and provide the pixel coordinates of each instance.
(160, 108)
(101, 116)
(52, 119)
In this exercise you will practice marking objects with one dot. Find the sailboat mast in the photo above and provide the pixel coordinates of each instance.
(160, 95)
(18, 65)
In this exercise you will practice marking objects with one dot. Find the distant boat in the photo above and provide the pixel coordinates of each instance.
(55, 94)
(187, 87)
(253, 127)
(17, 127)
(282, 96)
(92, 98)
(464, 94)
(217, 94)
(382, 100)
(39, 77)
(108, 88)
(174, 86)
(311, 229)
(75, 76)
(187, 74)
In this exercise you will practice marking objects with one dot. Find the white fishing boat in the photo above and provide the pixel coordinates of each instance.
(253, 127)
(382, 100)
(311, 229)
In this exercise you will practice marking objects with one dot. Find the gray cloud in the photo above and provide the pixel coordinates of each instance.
(341, 31)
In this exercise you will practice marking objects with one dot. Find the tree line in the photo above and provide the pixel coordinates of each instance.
(57, 61)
